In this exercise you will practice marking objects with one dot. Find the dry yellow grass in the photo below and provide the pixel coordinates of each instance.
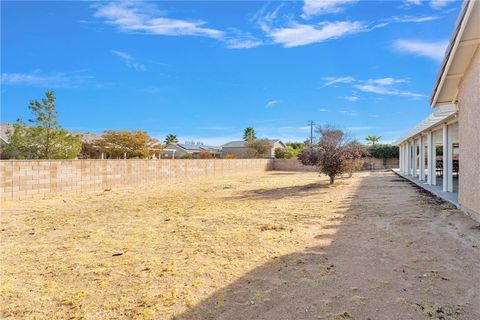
(154, 252)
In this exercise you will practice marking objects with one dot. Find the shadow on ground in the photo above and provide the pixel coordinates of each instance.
(282, 192)
(393, 254)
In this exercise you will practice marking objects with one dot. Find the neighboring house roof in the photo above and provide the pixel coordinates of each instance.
(463, 44)
(86, 136)
(195, 147)
(243, 143)
(235, 144)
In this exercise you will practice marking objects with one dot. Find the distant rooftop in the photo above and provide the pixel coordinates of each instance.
(196, 147)
(86, 136)
(243, 143)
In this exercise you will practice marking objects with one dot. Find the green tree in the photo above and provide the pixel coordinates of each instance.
(383, 151)
(296, 145)
(171, 138)
(258, 149)
(45, 139)
(280, 153)
(294, 149)
(249, 134)
(373, 139)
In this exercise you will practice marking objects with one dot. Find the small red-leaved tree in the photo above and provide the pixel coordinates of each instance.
(332, 154)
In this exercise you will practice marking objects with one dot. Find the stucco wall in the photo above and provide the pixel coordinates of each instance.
(369, 164)
(23, 179)
(291, 165)
(469, 135)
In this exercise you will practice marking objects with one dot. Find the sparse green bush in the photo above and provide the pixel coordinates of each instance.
(187, 156)
(383, 151)
(280, 153)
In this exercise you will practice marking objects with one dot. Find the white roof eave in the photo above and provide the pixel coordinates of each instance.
(440, 115)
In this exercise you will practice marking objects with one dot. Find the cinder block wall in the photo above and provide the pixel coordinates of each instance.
(369, 164)
(380, 164)
(26, 178)
(291, 165)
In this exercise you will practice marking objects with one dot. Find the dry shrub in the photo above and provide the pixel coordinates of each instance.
(333, 154)
(205, 155)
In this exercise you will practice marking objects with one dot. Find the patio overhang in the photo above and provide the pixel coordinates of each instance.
(442, 114)
(463, 44)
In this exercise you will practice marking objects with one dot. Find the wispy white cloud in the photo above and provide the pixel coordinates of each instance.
(334, 80)
(323, 110)
(386, 90)
(239, 43)
(386, 81)
(272, 103)
(328, 81)
(129, 60)
(352, 98)
(137, 16)
(284, 30)
(432, 50)
(349, 113)
(55, 80)
(316, 7)
(435, 4)
(413, 2)
(414, 19)
(142, 17)
(302, 34)
(382, 86)
(439, 4)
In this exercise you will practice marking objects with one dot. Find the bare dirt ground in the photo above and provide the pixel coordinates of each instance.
(277, 245)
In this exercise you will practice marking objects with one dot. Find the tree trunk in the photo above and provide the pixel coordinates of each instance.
(332, 179)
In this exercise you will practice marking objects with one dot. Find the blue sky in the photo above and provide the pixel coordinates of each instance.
(207, 70)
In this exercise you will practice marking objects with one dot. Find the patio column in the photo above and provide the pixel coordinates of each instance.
(430, 159)
(400, 157)
(422, 159)
(447, 159)
(410, 163)
(407, 157)
(414, 158)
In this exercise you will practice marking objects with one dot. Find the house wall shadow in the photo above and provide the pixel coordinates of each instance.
(305, 284)
(281, 192)
(374, 259)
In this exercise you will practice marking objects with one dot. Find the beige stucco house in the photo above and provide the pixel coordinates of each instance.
(239, 147)
(454, 124)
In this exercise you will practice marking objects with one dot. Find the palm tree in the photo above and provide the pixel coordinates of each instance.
(373, 139)
(249, 134)
(171, 138)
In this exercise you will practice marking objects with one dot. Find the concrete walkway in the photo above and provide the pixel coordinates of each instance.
(437, 190)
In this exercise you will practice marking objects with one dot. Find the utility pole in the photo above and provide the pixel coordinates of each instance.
(311, 124)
